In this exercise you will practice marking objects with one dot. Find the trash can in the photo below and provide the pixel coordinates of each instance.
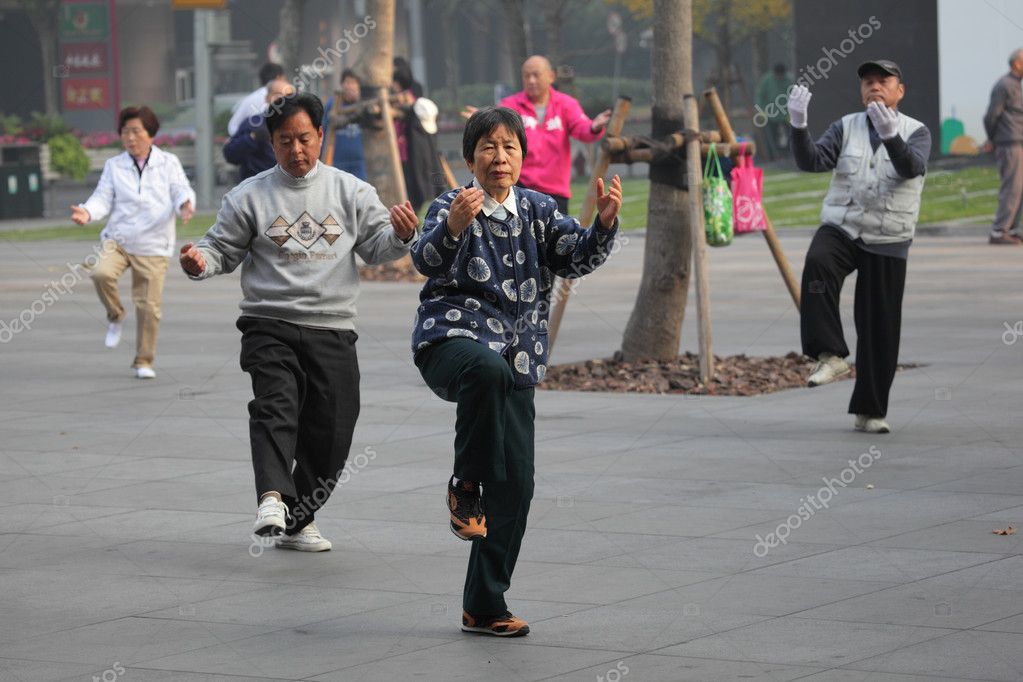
(21, 186)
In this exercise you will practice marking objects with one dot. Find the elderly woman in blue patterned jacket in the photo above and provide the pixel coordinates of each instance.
(491, 251)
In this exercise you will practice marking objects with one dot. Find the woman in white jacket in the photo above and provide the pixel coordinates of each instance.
(141, 190)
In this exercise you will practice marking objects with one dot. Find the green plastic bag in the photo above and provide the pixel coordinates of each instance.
(717, 202)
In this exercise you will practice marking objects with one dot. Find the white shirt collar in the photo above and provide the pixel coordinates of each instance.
(490, 204)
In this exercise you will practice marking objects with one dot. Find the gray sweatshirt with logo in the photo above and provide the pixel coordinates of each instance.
(296, 240)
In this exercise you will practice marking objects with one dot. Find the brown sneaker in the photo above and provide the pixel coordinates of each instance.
(1003, 238)
(466, 507)
(504, 625)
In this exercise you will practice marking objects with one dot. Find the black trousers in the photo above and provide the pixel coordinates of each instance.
(494, 440)
(877, 310)
(305, 387)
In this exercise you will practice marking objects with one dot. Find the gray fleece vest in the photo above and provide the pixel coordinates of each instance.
(867, 198)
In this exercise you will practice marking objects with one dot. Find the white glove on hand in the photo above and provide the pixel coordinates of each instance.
(885, 120)
(799, 100)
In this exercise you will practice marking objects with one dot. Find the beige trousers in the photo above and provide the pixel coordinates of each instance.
(147, 276)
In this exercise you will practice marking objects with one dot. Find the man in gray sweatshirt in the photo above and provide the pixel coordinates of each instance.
(295, 230)
(1003, 123)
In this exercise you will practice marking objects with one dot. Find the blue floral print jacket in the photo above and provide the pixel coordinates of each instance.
(494, 283)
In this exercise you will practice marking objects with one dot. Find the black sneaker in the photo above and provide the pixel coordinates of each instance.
(466, 507)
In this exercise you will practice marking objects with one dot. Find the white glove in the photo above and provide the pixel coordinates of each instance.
(799, 100)
(885, 120)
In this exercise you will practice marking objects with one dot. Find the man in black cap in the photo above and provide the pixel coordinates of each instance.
(1003, 123)
(879, 157)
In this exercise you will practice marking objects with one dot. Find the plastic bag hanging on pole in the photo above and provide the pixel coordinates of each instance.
(717, 202)
(748, 194)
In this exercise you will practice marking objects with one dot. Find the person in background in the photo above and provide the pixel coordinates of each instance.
(550, 119)
(348, 152)
(879, 158)
(416, 132)
(141, 190)
(403, 79)
(249, 148)
(254, 102)
(774, 88)
(1003, 123)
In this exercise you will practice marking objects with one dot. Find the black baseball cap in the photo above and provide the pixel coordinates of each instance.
(883, 65)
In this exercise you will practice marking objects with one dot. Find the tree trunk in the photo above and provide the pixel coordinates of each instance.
(518, 32)
(289, 35)
(553, 19)
(451, 61)
(383, 168)
(724, 54)
(379, 143)
(760, 56)
(654, 330)
(44, 17)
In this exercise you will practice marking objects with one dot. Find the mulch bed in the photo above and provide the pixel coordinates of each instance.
(733, 375)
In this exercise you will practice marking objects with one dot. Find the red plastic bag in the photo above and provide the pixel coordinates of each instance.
(747, 194)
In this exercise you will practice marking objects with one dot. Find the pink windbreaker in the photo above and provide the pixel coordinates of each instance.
(548, 164)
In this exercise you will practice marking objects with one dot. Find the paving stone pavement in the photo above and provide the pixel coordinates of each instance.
(125, 552)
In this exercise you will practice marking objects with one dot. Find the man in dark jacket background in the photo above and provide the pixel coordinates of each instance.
(249, 148)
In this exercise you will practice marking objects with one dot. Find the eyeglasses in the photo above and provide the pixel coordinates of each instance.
(132, 132)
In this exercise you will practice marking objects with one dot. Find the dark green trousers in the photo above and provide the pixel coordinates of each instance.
(493, 445)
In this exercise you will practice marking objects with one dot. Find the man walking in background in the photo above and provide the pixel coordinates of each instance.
(1003, 124)
(255, 101)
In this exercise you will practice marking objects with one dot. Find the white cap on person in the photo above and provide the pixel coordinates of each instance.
(426, 111)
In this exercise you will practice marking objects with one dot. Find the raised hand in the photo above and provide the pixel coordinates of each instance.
(191, 260)
(468, 111)
(600, 120)
(609, 204)
(885, 120)
(79, 216)
(463, 209)
(404, 220)
(799, 102)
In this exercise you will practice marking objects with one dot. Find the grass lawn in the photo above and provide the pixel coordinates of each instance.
(792, 199)
(196, 228)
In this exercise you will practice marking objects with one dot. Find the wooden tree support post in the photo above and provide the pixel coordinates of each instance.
(728, 135)
(694, 183)
(562, 287)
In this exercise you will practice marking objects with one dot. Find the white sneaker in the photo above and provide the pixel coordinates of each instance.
(113, 335)
(144, 373)
(828, 368)
(868, 424)
(271, 517)
(306, 540)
